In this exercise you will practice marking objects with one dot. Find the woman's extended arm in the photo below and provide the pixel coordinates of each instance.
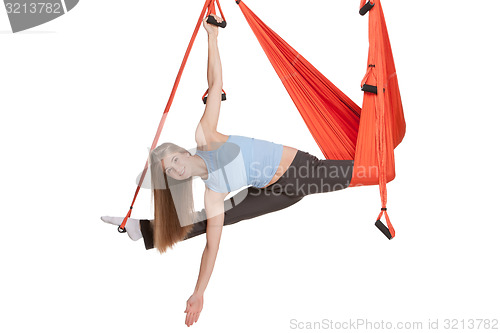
(214, 66)
(208, 123)
(214, 206)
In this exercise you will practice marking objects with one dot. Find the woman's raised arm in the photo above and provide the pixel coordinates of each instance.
(208, 123)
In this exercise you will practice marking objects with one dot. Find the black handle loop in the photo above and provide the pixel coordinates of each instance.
(223, 98)
(122, 231)
(369, 88)
(213, 21)
(383, 228)
(366, 8)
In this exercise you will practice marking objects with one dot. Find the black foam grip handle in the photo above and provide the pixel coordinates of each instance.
(383, 228)
(366, 8)
(223, 98)
(369, 88)
(213, 21)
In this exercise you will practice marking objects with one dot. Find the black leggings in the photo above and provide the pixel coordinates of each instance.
(306, 175)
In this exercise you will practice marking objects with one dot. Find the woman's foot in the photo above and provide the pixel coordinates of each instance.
(132, 227)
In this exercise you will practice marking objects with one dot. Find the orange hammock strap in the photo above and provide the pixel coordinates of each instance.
(388, 231)
(382, 126)
(211, 9)
(204, 13)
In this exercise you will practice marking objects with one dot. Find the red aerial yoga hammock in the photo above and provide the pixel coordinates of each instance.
(342, 130)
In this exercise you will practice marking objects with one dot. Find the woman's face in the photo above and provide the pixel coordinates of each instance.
(177, 165)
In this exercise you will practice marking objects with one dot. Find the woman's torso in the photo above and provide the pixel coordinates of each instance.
(267, 157)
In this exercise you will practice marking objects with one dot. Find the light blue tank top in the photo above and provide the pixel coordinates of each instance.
(239, 162)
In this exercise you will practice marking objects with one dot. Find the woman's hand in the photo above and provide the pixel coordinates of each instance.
(211, 29)
(194, 305)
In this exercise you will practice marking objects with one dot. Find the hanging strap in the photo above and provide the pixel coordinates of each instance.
(208, 8)
(378, 59)
(211, 11)
(369, 75)
(387, 231)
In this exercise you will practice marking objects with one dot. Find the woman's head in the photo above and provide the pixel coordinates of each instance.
(177, 162)
(171, 180)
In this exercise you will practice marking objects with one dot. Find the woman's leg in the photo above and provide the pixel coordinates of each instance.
(245, 205)
(255, 203)
(308, 175)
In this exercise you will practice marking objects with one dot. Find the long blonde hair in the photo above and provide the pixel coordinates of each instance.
(173, 200)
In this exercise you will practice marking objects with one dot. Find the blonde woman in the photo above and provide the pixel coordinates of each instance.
(273, 176)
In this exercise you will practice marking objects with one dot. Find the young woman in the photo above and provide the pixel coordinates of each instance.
(278, 176)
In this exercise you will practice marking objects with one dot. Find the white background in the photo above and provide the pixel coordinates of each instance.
(81, 99)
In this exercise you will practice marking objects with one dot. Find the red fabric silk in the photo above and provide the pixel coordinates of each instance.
(340, 128)
(331, 116)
